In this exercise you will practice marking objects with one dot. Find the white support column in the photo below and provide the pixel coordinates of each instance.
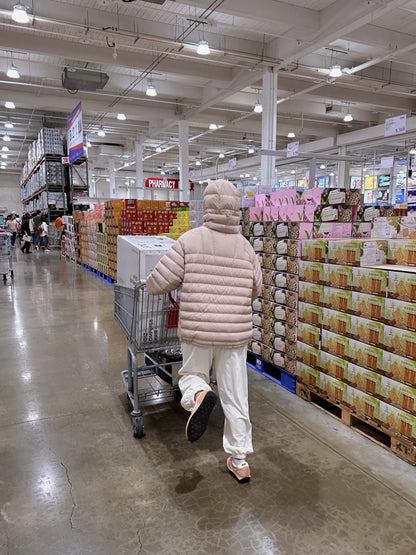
(343, 170)
(184, 160)
(139, 192)
(269, 125)
(112, 176)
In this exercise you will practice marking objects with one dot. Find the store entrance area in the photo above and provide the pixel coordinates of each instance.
(74, 480)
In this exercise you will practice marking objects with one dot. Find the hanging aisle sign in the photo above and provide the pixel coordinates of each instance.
(395, 126)
(292, 149)
(75, 134)
(161, 183)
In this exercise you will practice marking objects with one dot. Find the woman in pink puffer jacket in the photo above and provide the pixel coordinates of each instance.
(220, 276)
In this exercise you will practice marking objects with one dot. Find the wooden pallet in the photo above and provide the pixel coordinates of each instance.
(399, 446)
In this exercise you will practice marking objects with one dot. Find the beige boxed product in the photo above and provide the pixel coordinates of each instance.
(267, 338)
(263, 306)
(309, 334)
(400, 421)
(309, 355)
(366, 356)
(267, 352)
(385, 228)
(138, 255)
(314, 250)
(310, 314)
(307, 375)
(311, 293)
(402, 285)
(357, 253)
(401, 342)
(285, 330)
(402, 396)
(335, 344)
(338, 391)
(407, 228)
(335, 366)
(262, 321)
(367, 280)
(368, 406)
(283, 296)
(400, 314)
(400, 368)
(401, 251)
(367, 331)
(369, 306)
(373, 383)
(338, 299)
(337, 322)
(339, 276)
(311, 271)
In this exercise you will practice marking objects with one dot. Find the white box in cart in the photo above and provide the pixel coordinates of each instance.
(138, 255)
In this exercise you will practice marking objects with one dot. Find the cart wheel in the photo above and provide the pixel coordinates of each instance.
(138, 430)
(12, 274)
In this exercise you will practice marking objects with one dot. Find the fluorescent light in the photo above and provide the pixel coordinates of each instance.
(251, 150)
(258, 108)
(13, 72)
(203, 48)
(254, 178)
(335, 71)
(213, 126)
(101, 132)
(162, 173)
(8, 125)
(322, 167)
(412, 151)
(4, 156)
(158, 149)
(331, 174)
(6, 138)
(20, 14)
(108, 180)
(151, 91)
(292, 171)
(348, 117)
(198, 163)
(121, 117)
(241, 175)
(9, 104)
(291, 135)
(221, 155)
(246, 175)
(5, 149)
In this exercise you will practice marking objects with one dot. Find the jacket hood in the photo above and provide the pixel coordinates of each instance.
(222, 207)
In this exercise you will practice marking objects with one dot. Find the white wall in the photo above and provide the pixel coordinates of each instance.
(10, 192)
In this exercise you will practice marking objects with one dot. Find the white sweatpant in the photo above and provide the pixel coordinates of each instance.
(230, 370)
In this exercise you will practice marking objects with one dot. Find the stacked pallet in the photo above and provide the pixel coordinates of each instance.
(112, 220)
(357, 329)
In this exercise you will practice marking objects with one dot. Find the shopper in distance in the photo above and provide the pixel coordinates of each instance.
(220, 276)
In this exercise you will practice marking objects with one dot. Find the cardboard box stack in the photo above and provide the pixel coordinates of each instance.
(196, 213)
(68, 238)
(112, 221)
(357, 328)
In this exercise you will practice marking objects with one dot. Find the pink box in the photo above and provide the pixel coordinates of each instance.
(256, 214)
(271, 214)
(283, 210)
(247, 202)
(261, 200)
(311, 196)
(295, 213)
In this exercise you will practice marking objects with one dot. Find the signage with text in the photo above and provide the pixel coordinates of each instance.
(395, 125)
(161, 183)
(75, 134)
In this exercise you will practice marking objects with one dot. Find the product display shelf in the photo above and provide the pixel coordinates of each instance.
(271, 371)
(357, 335)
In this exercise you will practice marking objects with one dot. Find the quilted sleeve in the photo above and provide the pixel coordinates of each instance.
(169, 271)
(258, 278)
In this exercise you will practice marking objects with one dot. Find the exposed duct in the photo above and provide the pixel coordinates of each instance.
(83, 79)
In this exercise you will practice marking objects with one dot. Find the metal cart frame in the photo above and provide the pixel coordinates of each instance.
(150, 324)
(6, 260)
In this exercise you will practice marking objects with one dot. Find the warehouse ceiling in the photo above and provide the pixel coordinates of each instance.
(142, 42)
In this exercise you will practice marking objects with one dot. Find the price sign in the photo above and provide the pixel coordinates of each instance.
(292, 149)
(75, 134)
(395, 126)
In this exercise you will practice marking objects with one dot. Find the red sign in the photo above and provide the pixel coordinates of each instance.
(161, 183)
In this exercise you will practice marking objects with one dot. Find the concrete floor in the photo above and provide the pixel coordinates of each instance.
(73, 480)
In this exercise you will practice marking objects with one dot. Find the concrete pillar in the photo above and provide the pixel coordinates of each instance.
(139, 191)
(112, 176)
(184, 160)
(269, 125)
(343, 170)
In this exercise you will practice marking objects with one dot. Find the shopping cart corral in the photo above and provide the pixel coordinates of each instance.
(6, 261)
(150, 323)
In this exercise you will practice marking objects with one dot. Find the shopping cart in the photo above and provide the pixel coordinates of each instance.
(6, 261)
(150, 323)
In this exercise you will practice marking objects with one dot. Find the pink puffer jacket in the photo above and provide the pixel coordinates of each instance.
(219, 273)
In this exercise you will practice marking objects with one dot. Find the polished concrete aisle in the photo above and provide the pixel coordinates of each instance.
(73, 480)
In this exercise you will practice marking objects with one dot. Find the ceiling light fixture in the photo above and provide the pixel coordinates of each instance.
(101, 132)
(221, 155)
(254, 178)
(151, 90)
(291, 135)
(13, 72)
(198, 163)
(293, 171)
(251, 150)
(88, 144)
(412, 151)
(348, 117)
(322, 167)
(9, 104)
(20, 14)
(335, 71)
(258, 108)
(8, 125)
(5, 149)
(246, 175)
(213, 126)
(162, 173)
(4, 156)
(6, 138)
(158, 149)
(121, 117)
(203, 48)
